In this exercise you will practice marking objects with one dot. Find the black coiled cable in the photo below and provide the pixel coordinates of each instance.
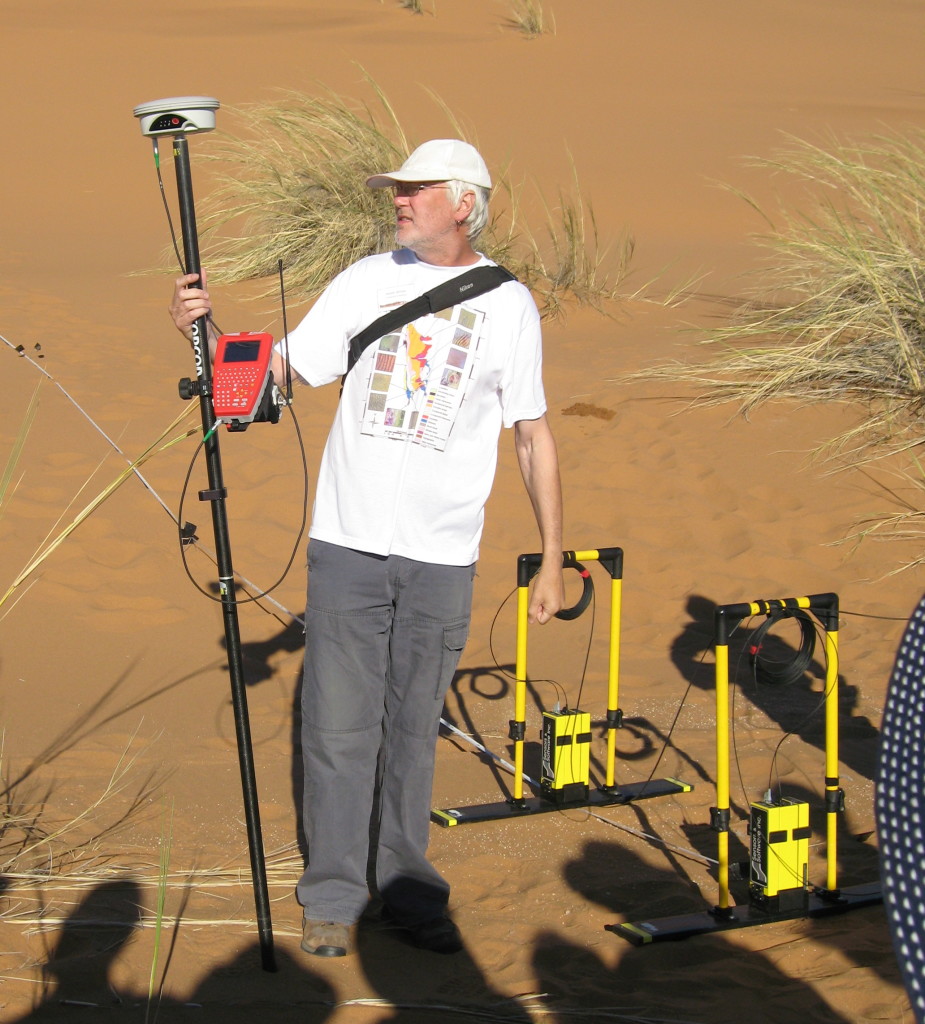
(782, 673)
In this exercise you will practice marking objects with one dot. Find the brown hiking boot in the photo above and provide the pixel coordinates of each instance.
(326, 938)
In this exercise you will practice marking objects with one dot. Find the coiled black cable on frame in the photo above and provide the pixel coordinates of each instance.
(782, 673)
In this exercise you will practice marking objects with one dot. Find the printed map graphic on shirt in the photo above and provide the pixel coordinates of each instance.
(418, 352)
(419, 377)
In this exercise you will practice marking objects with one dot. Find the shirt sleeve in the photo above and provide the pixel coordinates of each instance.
(318, 346)
(522, 393)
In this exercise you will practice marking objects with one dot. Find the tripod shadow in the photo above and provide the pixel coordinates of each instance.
(797, 708)
(258, 655)
(482, 683)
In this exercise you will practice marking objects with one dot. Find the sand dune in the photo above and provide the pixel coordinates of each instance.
(112, 660)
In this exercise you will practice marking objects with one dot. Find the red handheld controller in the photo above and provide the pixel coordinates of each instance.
(240, 374)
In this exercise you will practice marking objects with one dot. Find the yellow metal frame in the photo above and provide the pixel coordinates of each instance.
(608, 794)
(818, 902)
(726, 618)
(612, 560)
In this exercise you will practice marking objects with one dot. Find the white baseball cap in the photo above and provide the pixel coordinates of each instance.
(438, 160)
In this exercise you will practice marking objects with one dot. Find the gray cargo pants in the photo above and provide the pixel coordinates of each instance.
(383, 639)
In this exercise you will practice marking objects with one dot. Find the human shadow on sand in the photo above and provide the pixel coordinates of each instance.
(422, 987)
(76, 973)
(78, 976)
(706, 977)
(412, 986)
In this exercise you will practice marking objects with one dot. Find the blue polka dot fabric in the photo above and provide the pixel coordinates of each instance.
(901, 809)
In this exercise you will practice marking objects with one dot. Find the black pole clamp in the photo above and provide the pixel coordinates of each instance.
(719, 819)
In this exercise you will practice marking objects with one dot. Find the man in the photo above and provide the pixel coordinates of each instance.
(398, 514)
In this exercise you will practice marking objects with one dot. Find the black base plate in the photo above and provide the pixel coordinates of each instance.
(818, 904)
(604, 797)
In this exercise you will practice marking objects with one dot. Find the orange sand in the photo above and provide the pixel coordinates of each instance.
(111, 652)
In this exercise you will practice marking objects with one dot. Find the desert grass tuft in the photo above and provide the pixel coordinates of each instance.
(573, 268)
(529, 17)
(296, 191)
(839, 313)
(34, 844)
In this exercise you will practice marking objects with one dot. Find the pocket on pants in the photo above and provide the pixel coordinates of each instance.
(454, 640)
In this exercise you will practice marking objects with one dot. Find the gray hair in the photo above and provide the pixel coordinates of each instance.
(478, 218)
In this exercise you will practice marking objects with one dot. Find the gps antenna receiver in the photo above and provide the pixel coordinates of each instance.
(181, 114)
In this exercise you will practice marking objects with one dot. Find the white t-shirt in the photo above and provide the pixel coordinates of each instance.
(411, 455)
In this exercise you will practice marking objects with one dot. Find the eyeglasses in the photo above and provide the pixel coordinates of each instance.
(409, 190)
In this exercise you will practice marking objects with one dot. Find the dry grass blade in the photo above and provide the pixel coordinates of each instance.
(19, 443)
(50, 546)
(906, 524)
(574, 267)
(151, 1007)
(283, 867)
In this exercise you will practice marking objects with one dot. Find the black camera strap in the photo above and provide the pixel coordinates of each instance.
(444, 296)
